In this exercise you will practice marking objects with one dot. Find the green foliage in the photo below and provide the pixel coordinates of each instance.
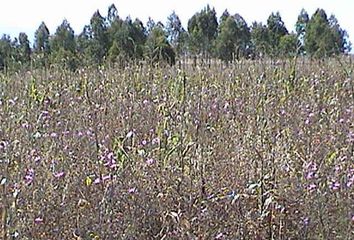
(128, 39)
(260, 39)
(24, 49)
(7, 52)
(324, 37)
(202, 29)
(63, 38)
(98, 38)
(108, 39)
(63, 47)
(112, 15)
(233, 40)
(300, 28)
(65, 59)
(288, 45)
(41, 39)
(223, 18)
(41, 45)
(177, 35)
(113, 52)
(276, 30)
(158, 49)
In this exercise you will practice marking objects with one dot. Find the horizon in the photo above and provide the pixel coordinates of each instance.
(54, 13)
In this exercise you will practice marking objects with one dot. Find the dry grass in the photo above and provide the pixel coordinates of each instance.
(246, 151)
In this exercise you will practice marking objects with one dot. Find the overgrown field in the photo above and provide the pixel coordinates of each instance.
(250, 151)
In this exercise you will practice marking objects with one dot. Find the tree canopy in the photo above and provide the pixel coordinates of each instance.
(112, 39)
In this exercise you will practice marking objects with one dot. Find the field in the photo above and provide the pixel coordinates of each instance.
(252, 150)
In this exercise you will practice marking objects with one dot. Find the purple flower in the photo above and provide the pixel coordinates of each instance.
(351, 137)
(306, 221)
(53, 135)
(219, 236)
(310, 169)
(25, 125)
(109, 159)
(106, 178)
(311, 187)
(59, 174)
(103, 179)
(155, 141)
(97, 181)
(150, 161)
(310, 175)
(29, 176)
(38, 220)
(144, 142)
(334, 185)
(350, 181)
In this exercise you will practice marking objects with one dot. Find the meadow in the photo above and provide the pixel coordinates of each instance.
(252, 150)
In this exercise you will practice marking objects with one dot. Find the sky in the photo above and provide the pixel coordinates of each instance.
(26, 15)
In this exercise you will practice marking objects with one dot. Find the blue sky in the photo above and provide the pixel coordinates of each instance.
(26, 15)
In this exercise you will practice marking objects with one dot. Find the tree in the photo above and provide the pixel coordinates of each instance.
(114, 52)
(99, 38)
(41, 39)
(260, 39)
(276, 30)
(341, 38)
(324, 37)
(175, 33)
(63, 46)
(41, 45)
(288, 45)
(224, 17)
(300, 27)
(7, 52)
(83, 45)
(64, 38)
(158, 49)
(202, 29)
(150, 24)
(24, 49)
(128, 39)
(233, 40)
(112, 14)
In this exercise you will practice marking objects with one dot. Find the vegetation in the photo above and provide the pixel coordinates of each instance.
(246, 151)
(110, 40)
(102, 136)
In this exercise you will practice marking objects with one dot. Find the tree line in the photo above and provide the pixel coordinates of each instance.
(112, 40)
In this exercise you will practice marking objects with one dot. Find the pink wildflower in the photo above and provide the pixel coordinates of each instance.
(59, 174)
(38, 220)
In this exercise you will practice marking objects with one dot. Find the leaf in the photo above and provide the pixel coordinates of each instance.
(331, 157)
(88, 181)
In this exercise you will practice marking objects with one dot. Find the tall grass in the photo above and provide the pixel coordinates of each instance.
(253, 150)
